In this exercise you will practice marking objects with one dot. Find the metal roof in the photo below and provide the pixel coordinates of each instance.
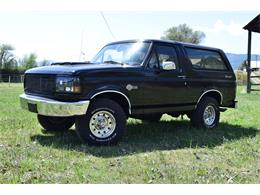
(253, 25)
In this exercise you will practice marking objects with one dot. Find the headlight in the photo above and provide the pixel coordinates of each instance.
(68, 84)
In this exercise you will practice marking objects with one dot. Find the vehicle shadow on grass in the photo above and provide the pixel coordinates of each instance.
(148, 137)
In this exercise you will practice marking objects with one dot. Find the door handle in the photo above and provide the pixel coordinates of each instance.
(182, 76)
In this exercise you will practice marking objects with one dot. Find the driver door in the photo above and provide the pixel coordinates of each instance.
(165, 86)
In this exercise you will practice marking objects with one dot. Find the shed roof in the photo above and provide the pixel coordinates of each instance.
(253, 25)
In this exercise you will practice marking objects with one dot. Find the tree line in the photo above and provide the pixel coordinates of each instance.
(10, 63)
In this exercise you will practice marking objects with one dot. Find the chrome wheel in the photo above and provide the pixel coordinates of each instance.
(102, 124)
(209, 115)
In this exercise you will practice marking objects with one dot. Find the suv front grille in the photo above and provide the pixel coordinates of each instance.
(40, 84)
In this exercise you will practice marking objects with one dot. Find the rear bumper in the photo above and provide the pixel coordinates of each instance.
(50, 107)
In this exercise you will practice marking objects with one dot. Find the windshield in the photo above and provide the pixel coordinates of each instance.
(123, 53)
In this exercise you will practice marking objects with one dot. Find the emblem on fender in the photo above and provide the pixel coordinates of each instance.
(130, 87)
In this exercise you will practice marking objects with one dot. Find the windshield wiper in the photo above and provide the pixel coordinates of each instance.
(112, 62)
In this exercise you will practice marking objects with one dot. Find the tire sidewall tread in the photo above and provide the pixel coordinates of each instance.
(82, 122)
(197, 115)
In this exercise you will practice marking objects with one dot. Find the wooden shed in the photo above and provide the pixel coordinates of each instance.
(252, 26)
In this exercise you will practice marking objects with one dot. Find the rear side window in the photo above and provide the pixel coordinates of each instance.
(205, 59)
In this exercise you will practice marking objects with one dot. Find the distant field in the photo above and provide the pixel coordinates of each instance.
(166, 152)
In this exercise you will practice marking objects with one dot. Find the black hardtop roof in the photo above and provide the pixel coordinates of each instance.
(167, 41)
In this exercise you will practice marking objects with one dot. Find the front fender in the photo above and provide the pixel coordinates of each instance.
(111, 90)
(106, 89)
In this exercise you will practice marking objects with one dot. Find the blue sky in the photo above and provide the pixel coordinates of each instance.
(60, 35)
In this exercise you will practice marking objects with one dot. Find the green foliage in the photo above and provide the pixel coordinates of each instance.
(241, 77)
(166, 152)
(183, 33)
(7, 59)
(29, 61)
(9, 63)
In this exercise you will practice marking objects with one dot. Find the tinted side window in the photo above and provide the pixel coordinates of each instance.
(166, 54)
(205, 59)
(163, 54)
(153, 63)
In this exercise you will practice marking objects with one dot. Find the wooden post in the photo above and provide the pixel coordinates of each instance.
(248, 67)
(9, 80)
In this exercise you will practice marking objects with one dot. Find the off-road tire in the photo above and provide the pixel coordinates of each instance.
(83, 126)
(197, 116)
(55, 124)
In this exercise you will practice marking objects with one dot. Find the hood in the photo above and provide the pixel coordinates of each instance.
(72, 69)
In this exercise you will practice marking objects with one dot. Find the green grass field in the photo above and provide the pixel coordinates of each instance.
(166, 152)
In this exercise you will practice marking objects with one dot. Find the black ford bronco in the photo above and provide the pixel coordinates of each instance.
(138, 78)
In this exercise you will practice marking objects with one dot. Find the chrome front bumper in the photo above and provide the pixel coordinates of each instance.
(50, 107)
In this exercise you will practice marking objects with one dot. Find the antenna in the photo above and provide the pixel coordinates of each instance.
(107, 25)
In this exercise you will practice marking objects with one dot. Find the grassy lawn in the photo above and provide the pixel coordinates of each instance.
(166, 152)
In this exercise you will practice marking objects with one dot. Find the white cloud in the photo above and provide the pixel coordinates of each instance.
(231, 28)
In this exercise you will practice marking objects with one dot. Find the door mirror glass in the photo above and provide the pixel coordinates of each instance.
(168, 65)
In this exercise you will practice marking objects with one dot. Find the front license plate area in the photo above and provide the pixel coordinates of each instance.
(32, 107)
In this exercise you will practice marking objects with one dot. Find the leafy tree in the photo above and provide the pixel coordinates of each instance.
(7, 59)
(29, 61)
(183, 33)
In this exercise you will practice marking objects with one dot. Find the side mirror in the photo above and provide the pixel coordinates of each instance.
(169, 65)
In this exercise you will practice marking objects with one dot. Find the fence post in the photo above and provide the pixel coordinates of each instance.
(21, 78)
(9, 80)
(248, 67)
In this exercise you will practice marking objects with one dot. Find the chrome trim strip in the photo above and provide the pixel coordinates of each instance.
(114, 91)
(210, 91)
(50, 107)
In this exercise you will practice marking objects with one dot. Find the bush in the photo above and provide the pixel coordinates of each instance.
(241, 77)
